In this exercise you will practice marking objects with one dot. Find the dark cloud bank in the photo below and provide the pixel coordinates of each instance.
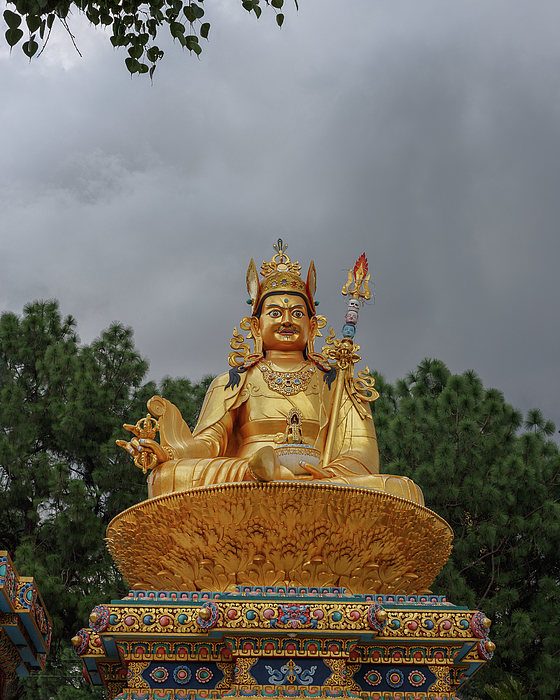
(425, 134)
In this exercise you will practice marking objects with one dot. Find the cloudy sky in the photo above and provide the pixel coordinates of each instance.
(425, 133)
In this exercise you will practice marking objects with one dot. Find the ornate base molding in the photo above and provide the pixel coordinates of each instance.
(316, 644)
(25, 627)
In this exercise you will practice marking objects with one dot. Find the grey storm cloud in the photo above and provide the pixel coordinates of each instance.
(426, 134)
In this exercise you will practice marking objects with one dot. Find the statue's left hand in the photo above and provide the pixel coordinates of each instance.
(316, 472)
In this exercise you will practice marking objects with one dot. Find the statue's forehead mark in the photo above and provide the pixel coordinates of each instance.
(272, 305)
(277, 300)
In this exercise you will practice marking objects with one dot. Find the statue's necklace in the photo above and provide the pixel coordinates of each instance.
(286, 383)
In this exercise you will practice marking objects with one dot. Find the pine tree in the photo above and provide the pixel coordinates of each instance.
(491, 475)
(499, 489)
(62, 406)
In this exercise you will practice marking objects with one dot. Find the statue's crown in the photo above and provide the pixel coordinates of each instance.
(280, 275)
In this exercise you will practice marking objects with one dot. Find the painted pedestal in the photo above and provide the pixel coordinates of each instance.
(259, 641)
(25, 627)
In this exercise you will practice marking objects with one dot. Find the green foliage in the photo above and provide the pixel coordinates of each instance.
(62, 477)
(188, 397)
(62, 679)
(491, 475)
(507, 690)
(134, 25)
(499, 489)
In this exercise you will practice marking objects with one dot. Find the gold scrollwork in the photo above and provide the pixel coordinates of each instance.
(111, 670)
(351, 685)
(328, 617)
(338, 675)
(135, 668)
(241, 349)
(245, 325)
(363, 386)
(114, 688)
(342, 353)
(329, 340)
(243, 676)
(228, 669)
(321, 323)
(442, 673)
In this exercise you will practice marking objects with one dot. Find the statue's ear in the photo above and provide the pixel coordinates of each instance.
(311, 281)
(253, 281)
(255, 330)
(313, 327)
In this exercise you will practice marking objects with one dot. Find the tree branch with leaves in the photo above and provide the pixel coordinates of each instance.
(134, 25)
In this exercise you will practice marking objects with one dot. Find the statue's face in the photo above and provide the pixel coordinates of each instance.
(284, 323)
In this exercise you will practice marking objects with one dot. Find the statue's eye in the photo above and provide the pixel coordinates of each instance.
(297, 314)
(275, 313)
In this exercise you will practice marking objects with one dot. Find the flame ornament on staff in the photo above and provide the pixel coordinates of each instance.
(343, 353)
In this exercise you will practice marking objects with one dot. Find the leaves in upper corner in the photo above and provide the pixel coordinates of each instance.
(252, 6)
(30, 47)
(177, 30)
(131, 27)
(12, 20)
(13, 36)
(33, 22)
(193, 45)
(154, 54)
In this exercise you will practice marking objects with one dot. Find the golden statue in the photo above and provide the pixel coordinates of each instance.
(283, 412)
(275, 504)
(279, 482)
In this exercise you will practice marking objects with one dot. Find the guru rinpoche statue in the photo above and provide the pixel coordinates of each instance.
(283, 412)
(263, 522)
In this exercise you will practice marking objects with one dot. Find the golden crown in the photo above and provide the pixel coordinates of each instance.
(280, 275)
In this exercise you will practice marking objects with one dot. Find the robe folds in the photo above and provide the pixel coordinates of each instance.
(236, 421)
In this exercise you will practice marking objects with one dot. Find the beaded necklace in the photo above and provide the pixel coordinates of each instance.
(286, 383)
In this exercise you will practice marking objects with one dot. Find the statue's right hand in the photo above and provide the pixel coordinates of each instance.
(139, 446)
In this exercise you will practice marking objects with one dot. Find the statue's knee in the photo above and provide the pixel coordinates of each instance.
(404, 487)
(162, 479)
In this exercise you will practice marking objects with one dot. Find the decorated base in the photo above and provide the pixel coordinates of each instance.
(25, 627)
(219, 537)
(298, 643)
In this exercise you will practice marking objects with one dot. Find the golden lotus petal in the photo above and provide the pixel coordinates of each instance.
(307, 534)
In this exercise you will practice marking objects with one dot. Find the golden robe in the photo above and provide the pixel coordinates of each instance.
(235, 422)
